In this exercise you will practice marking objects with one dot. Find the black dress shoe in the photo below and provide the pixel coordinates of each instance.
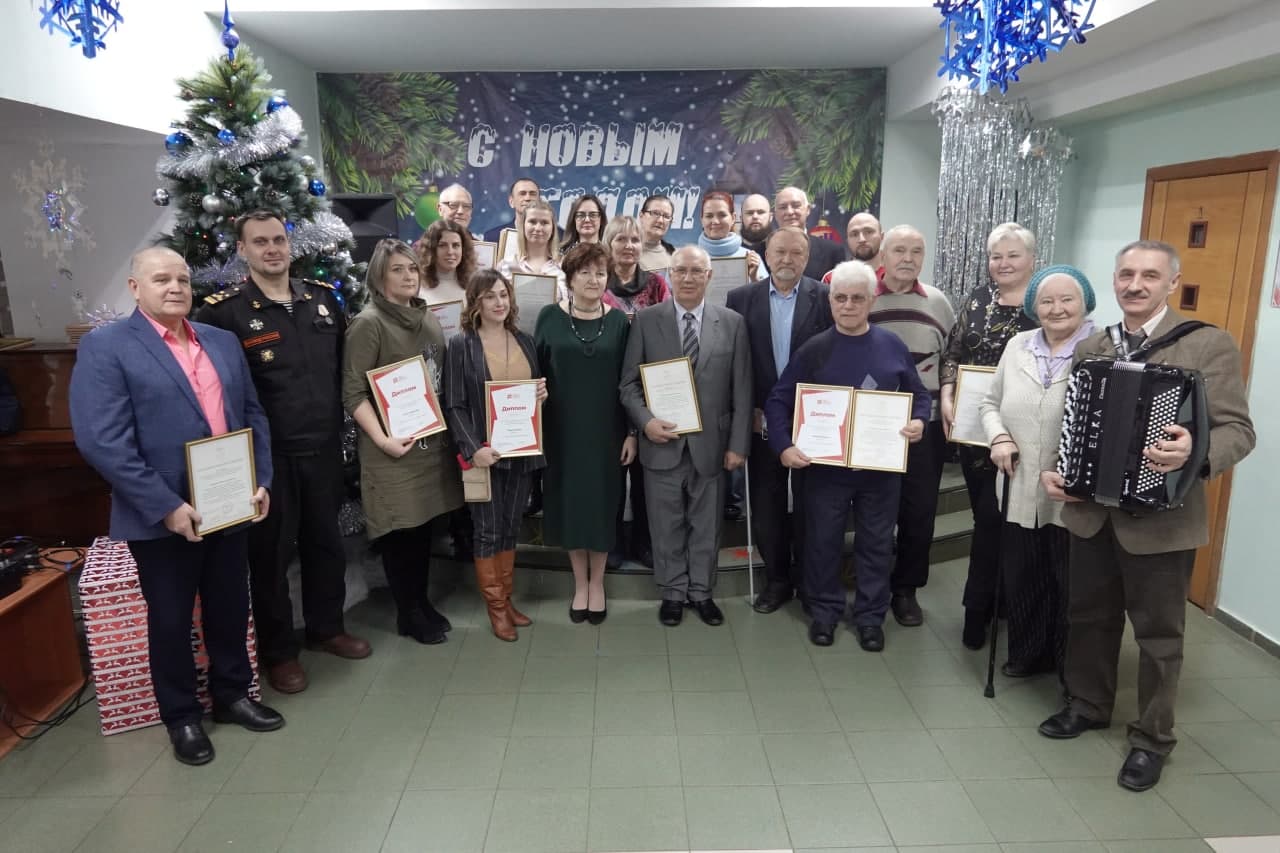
(732, 513)
(190, 744)
(870, 637)
(1141, 770)
(906, 609)
(708, 611)
(822, 633)
(1024, 670)
(975, 628)
(577, 616)
(252, 715)
(670, 613)
(644, 556)
(1067, 724)
(771, 599)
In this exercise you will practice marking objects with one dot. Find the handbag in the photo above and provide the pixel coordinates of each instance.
(475, 483)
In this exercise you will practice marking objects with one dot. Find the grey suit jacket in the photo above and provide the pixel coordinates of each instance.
(722, 376)
(1212, 352)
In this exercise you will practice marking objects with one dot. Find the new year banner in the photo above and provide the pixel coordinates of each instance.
(619, 135)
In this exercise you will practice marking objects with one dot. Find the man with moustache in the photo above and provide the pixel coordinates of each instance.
(141, 390)
(455, 206)
(921, 316)
(683, 472)
(1125, 564)
(791, 208)
(523, 191)
(757, 223)
(782, 313)
(291, 331)
(863, 238)
(853, 353)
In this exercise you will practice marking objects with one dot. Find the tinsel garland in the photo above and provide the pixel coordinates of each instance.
(270, 136)
(320, 235)
(994, 168)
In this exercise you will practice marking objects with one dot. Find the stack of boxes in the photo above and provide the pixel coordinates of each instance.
(115, 619)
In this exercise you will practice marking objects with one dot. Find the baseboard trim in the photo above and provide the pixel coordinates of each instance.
(1262, 641)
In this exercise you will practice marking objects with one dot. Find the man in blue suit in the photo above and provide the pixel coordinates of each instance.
(141, 389)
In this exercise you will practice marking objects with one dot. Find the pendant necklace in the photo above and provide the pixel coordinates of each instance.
(588, 346)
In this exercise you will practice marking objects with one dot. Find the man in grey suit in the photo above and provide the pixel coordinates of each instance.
(682, 472)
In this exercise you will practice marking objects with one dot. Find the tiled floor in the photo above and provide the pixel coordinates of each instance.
(634, 737)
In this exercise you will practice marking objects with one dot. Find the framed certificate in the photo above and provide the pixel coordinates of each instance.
(486, 255)
(222, 479)
(533, 293)
(450, 316)
(513, 417)
(972, 384)
(507, 245)
(820, 423)
(876, 441)
(405, 400)
(726, 274)
(670, 394)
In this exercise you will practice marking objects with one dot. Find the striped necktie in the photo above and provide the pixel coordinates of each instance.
(690, 341)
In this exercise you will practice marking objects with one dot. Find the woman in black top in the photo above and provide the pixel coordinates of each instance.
(990, 316)
(586, 223)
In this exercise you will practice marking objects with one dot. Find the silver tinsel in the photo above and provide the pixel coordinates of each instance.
(323, 231)
(220, 273)
(270, 136)
(995, 168)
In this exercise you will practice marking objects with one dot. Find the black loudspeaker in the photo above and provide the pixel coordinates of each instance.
(371, 217)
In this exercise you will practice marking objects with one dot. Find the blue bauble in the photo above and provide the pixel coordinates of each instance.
(230, 40)
(316, 187)
(226, 136)
(288, 226)
(176, 141)
(276, 102)
(342, 302)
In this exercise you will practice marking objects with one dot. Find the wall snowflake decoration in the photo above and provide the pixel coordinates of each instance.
(989, 41)
(49, 196)
(86, 22)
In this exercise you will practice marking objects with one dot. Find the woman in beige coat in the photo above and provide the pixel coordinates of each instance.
(404, 482)
(1022, 418)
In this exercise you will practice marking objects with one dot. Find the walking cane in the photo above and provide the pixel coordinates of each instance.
(990, 690)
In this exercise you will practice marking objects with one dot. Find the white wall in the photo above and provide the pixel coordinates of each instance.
(909, 179)
(1108, 183)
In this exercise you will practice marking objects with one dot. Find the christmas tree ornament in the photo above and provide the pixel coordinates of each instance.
(316, 187)
(160, 197)
(230, 38)
(211, 203)
(276, 102)
(308, 162)
(427, 208)
(227, 136)
(176, 142)
(86, 22)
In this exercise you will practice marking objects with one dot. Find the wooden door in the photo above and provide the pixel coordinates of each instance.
(1217, 214)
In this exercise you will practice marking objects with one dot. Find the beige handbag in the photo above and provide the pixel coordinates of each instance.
(475, 485)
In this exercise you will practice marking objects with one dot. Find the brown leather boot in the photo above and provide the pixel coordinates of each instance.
(489, 580)
(507, 562)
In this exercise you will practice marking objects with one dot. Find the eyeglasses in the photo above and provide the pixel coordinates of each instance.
(457, 206)
(689, 272)
(586, 214)
(665, 217)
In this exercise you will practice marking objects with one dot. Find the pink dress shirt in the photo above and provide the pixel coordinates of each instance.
(200, 372)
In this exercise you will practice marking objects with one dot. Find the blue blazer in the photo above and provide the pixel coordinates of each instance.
(133, 410)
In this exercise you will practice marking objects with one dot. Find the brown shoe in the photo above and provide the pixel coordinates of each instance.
(507, 568)
(489, 580)
(287, 677)
(345, 646)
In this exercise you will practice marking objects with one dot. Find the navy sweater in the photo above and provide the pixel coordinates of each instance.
(876, 361)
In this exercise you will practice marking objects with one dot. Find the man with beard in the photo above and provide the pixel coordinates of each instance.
(782, 313)
(791, 208)
(864, 237)
(757, 223)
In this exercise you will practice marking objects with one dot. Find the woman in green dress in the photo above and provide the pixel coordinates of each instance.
(580, 345)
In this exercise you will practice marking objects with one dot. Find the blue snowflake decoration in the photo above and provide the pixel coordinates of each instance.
(86, 22)
(989, 41)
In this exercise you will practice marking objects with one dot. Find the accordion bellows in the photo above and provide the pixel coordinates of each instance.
(1115, 410)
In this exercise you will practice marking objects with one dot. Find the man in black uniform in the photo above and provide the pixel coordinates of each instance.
(292, 330)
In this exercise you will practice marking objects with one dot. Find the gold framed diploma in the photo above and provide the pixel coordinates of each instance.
(876, 442)
(726, 274)
(450, 316)
(972, 384)
(405, 400)
(222, 479)
(820, 423)
(486, 255)
(514, 417)
(533, 293)
(506, 245)
(670, 393)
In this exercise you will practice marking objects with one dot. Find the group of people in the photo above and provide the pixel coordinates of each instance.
(276, 354)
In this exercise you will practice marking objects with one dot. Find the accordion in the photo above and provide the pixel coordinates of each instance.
(1115, 410)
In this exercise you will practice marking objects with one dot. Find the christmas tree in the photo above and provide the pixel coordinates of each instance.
(236, 151)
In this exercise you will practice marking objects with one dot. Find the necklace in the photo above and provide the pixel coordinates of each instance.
(588, 346)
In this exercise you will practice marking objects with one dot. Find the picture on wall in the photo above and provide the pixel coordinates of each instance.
(619, 135)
